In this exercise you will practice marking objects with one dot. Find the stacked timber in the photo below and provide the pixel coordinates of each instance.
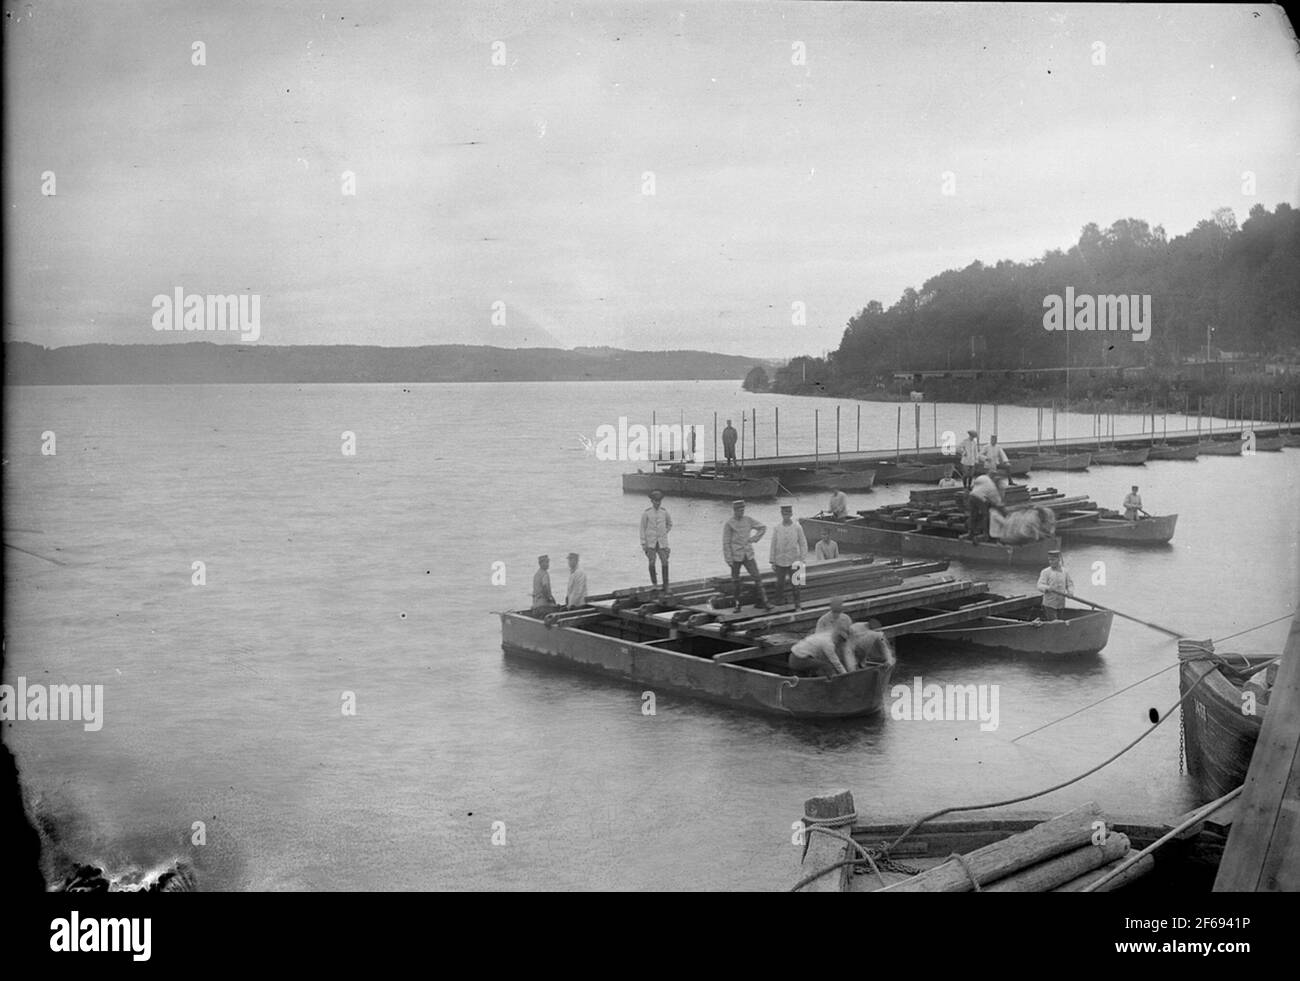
(913, 598)
(1069, 853)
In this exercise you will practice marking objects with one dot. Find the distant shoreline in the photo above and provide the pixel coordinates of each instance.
(206, 363)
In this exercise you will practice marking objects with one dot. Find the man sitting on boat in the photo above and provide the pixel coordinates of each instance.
(738, 537)
(950, 480)
(1133, 504)
(827, 548)
(838, 505)
(789, 545)
(1052, 583)
(985, 494)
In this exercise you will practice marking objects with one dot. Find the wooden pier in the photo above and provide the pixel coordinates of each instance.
(935, 454)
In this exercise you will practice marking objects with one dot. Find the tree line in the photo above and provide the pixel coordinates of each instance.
(1243, 282)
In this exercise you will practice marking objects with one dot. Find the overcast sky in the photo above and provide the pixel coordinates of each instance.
(523, 184)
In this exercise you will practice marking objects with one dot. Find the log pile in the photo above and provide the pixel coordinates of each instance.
(1065, 854)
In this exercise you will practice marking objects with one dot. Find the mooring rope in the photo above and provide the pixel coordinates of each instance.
(1199, 654)
(1154, 674)
(1019, 800)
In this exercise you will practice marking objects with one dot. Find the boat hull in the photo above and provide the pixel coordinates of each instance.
(1219, 447)
(1120, 458)
(1066, 461)
(1156, 530)
(859, 693)
(1190, 452)
(1269, 444)
(845, 480)
(1079, 632)
(855, 535)
(1218, 737)
(1185, 868)
(677, 485)
(929, 473)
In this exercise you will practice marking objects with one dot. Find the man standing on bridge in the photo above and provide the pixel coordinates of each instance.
(994, 458)
(543, 600)
(738, 537)
(656, 523)
(789, 545)
(576, 594)
(729, 436)
(969, 457)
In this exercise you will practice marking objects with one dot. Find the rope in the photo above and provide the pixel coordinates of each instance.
(1154, 674)
(970, 873)
(1199, 654)
(828, 829)
(1136, 857)
(1018, 800)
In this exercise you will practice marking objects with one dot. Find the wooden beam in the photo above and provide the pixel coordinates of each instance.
(1263, 850)
(890, 602)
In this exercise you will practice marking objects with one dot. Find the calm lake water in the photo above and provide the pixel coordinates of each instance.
(373, 574)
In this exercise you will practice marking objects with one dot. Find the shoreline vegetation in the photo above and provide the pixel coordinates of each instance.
(1240, 396)
(998, 333)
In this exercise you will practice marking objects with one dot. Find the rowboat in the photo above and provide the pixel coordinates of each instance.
(1110, 526)
(1219, 737)
(845, 480)
(600, 642)
(1165, 451)
(1219, 447)
(1269, 444)
(1060, 461)
(694, 484)
(915, 473)
(1075, 632)
(867, 534)
(1126, 458)
(1018, 466)
(1026, 851)
(1292, 439)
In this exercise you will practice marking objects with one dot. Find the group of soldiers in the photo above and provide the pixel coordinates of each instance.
(837, 645)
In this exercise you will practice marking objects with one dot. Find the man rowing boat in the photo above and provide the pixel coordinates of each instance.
(1133, 505)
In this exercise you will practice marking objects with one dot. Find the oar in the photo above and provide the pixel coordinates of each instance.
(1107, 609)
